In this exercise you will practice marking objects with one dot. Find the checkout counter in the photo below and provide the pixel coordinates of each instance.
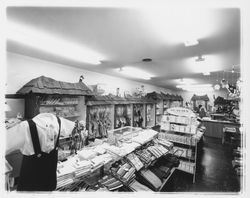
(216, 128)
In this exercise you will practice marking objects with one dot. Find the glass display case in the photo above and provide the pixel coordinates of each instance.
(124, 134)
(150, 115)
(138, 115)
(123, 115)
(99, 120)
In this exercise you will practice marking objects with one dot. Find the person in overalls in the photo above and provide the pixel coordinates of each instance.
(37, 139)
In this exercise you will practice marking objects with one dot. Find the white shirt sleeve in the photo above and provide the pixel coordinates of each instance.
(19, 138)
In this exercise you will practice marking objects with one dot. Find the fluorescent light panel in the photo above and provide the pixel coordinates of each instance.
(51, 43)
(135, 73)
(191, 42)
(194, 86)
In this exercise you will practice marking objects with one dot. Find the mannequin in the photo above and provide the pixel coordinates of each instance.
(38, 170)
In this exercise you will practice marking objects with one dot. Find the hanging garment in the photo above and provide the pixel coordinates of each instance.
(38, 171)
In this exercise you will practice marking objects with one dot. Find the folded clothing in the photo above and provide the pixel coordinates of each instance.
(136, 186)
(133, 159)
(155, 151)
(151, 179)
(110, 182)
(161, 172)
(86, 154)
(144, 156)
(169, 145)
(171, 161)
(125, 172)
(144, 136)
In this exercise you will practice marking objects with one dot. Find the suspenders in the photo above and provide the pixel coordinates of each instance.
(35, 138)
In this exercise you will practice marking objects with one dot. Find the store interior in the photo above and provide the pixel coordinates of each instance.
(155, 93)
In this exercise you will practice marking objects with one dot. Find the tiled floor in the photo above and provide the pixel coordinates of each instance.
(214, 171)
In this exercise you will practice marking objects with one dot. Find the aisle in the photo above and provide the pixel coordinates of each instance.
(214, 174)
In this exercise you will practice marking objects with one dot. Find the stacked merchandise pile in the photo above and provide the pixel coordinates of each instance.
(135, 161)
(110, 182)
(123, 171)
(144, 136)
(157, 150)
(164, 167)
(148, 178)
(145, 156)
(136, 186)
(100, 160)
(167, 144)
(82, 168)
(65, 173)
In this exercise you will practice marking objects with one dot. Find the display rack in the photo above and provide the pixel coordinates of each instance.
(180, 127)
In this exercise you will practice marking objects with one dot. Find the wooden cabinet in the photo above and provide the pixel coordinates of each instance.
(61, 105)
(114, 112)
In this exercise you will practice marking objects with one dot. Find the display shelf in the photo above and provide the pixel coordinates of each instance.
(57, 105)
(180, 127)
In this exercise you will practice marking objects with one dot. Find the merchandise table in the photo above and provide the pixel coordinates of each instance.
(113, 154)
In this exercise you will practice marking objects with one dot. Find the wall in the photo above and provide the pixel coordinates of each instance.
(21, 69)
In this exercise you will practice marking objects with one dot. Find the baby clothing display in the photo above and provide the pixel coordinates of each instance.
(38, 171)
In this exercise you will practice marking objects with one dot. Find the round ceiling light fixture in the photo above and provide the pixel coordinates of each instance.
(146, 60)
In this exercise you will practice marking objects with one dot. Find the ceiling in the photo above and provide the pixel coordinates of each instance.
(124, 36)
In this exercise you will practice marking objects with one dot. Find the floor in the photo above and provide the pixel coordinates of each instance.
(214, 171)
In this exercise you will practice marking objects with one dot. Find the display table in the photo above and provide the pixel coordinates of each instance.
(214, 128)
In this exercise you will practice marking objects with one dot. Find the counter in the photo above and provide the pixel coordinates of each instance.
(214, 128)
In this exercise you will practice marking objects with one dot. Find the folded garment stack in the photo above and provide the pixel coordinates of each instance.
(145, 156)
(82, 168)
(110, 182)
(134, 160)
(136, 186)
(145, 136)
(101, 160)
(150, 179)
(161, 171)
(86, 154)
(125, 172)
(169, 145)
(157, 150)
(65, 173)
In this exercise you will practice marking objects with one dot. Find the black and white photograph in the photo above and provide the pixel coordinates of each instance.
(124, 97)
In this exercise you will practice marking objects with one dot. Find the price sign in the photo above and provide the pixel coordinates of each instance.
(180, 111)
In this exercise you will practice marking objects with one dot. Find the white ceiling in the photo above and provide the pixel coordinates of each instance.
(124, 36)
